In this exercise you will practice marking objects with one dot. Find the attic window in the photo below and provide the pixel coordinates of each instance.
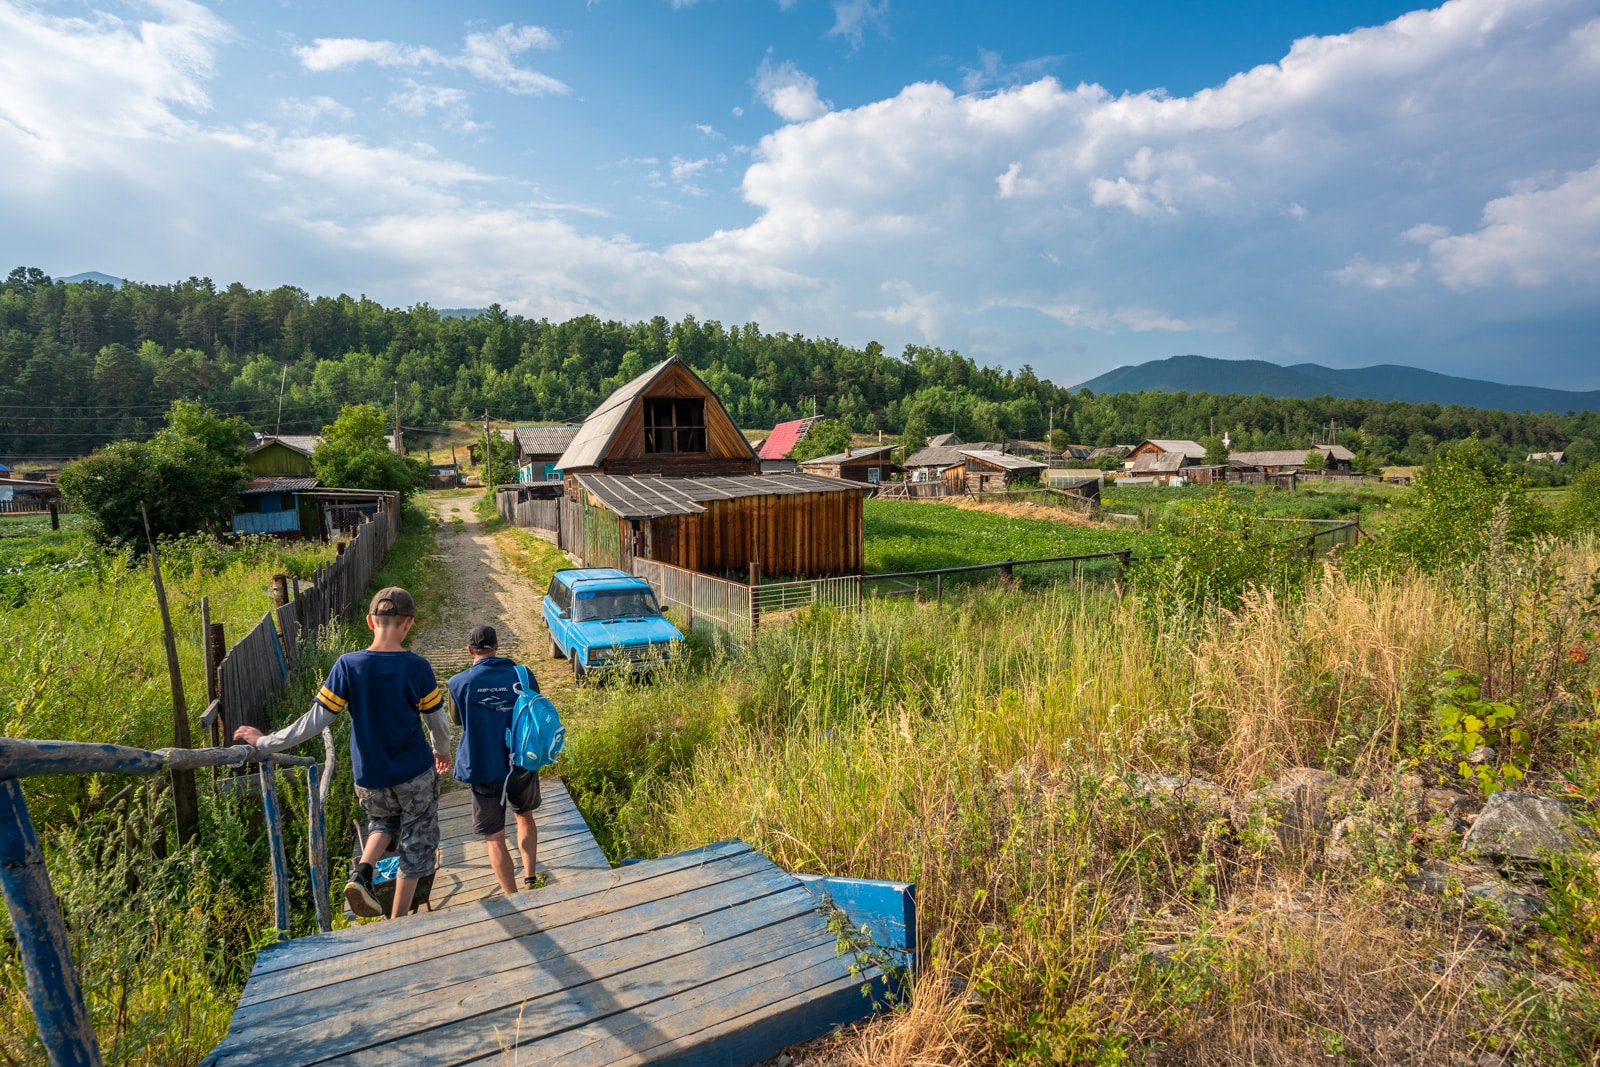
(675, 425)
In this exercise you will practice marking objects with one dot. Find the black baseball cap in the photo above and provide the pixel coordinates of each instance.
(393, 601)
(482, 637)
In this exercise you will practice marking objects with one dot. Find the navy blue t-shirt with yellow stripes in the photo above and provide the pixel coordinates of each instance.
(386, 695)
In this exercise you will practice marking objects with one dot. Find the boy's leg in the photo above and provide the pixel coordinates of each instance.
(527, 844)
(377, 845)
(419, 836)
(383, 824)
(489, 821)
(505, 872)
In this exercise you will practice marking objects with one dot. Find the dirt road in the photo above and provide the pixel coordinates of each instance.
(482, 589)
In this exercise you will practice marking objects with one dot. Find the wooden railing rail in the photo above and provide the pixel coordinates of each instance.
(52, 982)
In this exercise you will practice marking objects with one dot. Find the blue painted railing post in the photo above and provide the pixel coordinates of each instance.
(280, 861)
(317, 846)
(53, 990)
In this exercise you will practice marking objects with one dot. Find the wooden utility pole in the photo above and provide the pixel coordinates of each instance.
(486, 464)
(399, 443)
(183, 793)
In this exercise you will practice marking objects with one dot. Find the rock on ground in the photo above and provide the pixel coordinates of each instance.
(1523, 826)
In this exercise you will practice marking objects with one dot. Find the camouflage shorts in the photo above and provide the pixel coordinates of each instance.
(409, 814)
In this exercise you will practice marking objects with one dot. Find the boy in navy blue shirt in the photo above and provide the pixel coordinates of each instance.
(484, 696)
(389, 693)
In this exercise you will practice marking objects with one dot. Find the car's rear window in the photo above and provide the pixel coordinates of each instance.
(614, 604)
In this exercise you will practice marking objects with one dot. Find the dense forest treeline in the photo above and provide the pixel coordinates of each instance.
(82, 364)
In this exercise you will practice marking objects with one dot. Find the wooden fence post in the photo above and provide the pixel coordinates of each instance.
(280, 590)
(216, 651)
(280, 862)
(317, 849)
(53, 990)
(55, 516)
(183, 792)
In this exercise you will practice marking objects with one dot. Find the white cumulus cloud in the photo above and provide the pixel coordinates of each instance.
(790, 92)
(1535, 235)
(490, 56)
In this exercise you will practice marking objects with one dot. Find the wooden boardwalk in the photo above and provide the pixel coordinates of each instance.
(713, 956)
(566, 847)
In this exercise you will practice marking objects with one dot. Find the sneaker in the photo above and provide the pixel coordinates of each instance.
(361, 899)
(538, 881)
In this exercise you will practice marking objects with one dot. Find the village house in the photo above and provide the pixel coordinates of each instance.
(285, 456)
(535, 450)
(272, 504)
(1161, 462)
(1557, 458)
(659, 471)
(943, 461)
(989, 471)
(774, 450)
(1283, 461)
(872, 465)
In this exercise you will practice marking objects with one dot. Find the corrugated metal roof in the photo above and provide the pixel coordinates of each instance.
(588, 445)
(946, 455)
(545, 440)
(944, 440)
(649, 496)
(278, 485)
(1281, 457)
(784, 436)
(1002, 460)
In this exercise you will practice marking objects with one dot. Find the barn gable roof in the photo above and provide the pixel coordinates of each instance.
(545, 440)
(594, 439)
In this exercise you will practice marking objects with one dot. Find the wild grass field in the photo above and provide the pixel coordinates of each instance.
(991, 751)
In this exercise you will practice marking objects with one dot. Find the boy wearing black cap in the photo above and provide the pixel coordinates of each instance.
(389, 693)
(484, 695)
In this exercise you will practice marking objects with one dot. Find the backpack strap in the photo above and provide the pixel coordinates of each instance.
(524, 681)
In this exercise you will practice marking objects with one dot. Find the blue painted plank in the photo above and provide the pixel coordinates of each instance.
(52, 983)
(534, 946)
(884, 911)
(304, 950)
(494, 927)
(611, 996)
(564, 985)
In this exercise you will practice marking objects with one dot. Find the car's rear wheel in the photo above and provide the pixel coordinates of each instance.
(577, 668)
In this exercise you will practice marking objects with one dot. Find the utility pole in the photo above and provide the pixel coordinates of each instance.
(282, 381)
(486, 453)
(399, 445)
(1049, 435)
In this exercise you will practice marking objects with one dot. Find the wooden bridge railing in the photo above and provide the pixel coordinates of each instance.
(52, 981)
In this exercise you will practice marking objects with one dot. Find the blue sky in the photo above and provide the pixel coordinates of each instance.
(1072, 186)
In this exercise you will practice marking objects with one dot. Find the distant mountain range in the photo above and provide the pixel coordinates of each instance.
(1387, 381)
(93, 276)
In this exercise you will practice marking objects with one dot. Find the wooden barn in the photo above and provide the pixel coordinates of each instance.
(660, 472)
(988, 471)
(871, 465)
(288, 456)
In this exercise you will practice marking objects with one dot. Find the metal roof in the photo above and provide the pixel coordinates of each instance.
(944, 440)
(545, 440)
(649, 496)
(1162, 462)
(588, 445)
(947, 455)
(1002, 460)
(278, 485)
(854, 453)
(784, 436)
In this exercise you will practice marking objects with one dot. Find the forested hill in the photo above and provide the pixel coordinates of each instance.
(1383, 382)
(82, 364)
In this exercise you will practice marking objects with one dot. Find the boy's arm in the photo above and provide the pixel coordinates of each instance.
(439, 729)
(307, 726)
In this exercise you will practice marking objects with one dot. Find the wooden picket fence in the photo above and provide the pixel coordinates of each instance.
(255, 670)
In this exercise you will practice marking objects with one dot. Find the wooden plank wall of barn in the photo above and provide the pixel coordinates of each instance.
(794, 535)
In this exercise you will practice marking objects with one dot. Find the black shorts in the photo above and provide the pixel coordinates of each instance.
(489, 815)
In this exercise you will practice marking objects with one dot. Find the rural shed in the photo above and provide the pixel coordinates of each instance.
(872, 465)
(535, 450)
(788, 524)
(272, 505)
(666, 421)
(989, 471)
(773, 451)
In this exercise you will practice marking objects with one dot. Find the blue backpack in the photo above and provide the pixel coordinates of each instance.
(536, 735)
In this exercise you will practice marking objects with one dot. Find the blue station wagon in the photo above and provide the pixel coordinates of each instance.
(603, 619)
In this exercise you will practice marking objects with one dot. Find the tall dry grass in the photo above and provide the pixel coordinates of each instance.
(985, 752)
